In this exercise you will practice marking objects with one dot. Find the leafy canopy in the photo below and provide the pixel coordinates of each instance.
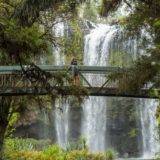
(25, 28)
(144, 17)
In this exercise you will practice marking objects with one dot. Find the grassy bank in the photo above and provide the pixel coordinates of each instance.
(30, 149)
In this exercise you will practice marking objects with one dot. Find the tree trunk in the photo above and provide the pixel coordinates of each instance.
(2, 135)
(5, 104)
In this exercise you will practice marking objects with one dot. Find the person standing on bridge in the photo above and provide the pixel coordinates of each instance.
(75, 72)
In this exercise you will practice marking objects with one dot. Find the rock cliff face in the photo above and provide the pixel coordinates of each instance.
(36, 124)
(124, 130)
(75, 122)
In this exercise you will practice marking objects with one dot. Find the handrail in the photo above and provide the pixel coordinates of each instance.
(52, 68)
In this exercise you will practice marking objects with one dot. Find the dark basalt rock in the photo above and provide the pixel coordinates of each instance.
(75, 122)
(36, 130)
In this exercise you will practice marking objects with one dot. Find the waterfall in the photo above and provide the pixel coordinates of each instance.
(59, 31)
(102, 40)
(150, 139)
(98, 45)
(94, 119)
(62, 122)
(62, 106)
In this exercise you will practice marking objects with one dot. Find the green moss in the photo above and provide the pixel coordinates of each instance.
(132, 133)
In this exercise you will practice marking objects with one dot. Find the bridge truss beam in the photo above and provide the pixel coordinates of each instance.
(17, 85)
(94, 91)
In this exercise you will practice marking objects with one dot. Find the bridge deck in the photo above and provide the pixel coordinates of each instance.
(94, 91)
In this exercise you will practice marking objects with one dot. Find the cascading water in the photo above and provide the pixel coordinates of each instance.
(62, 122)
(62, 106)
(150, 138)
(59, 31)
(96, 54)
(98, 44)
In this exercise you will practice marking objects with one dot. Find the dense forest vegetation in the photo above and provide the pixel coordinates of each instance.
(26, 34)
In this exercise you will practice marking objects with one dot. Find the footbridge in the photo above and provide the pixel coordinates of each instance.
(37, 80)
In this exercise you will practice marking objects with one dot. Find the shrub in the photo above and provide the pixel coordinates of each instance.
(30, 149)
(26, 155)
(110, 154)
(19, 144)
(54, 152)
(77, 155)
(79, 145)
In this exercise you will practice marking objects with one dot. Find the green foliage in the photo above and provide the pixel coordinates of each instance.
(136, 77)
(16, 40)
(157, 23)
(132, 133)
(24, 27)
(29, 11)
(145, 17)
(89, 10)
(12, 121)
(120, 59)
(110, 154)
(20, 149)
(14, 118)
(19, 144)
(108, 6)
(73, 43)
(24, 35)
(158, 115)
(54, 152)
(79, 145)
(69, 6)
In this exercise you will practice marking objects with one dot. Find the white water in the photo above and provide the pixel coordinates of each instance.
(150, 139)
(58, 31)
(62, 106)
(96, 53)
(62, 122)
